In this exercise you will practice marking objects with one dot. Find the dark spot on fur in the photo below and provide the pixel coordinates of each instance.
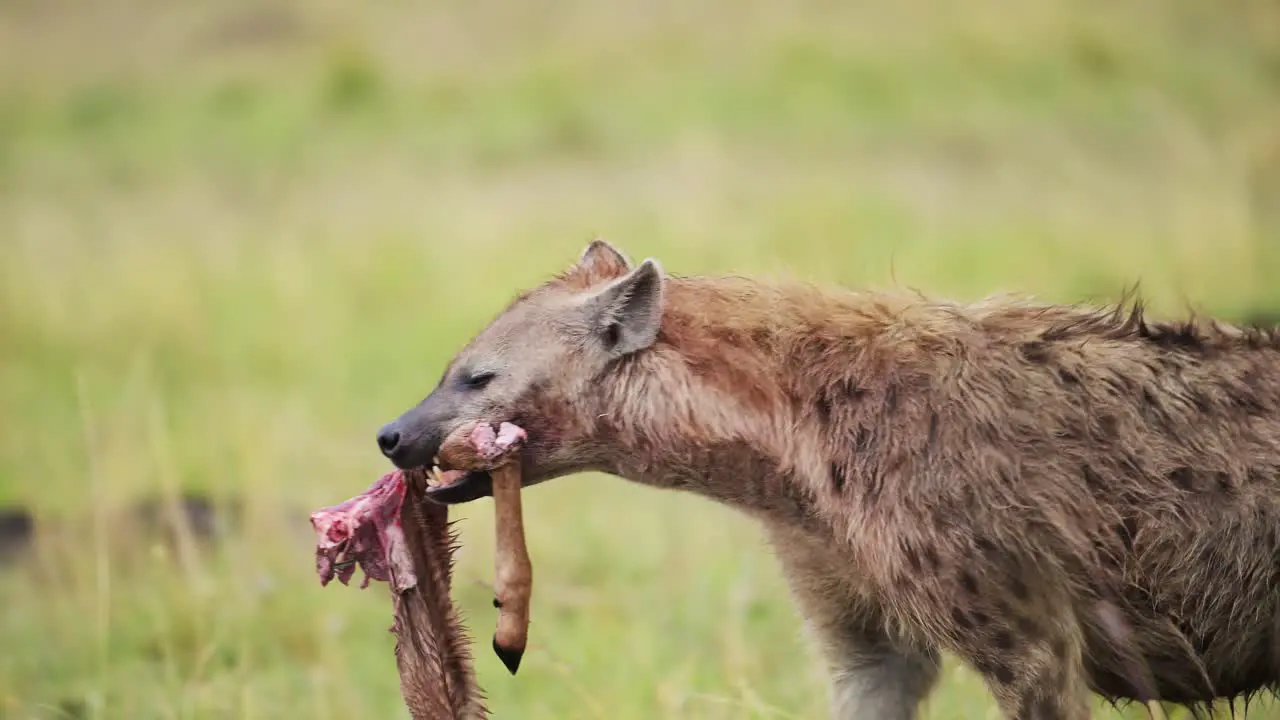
(931, 557)
(1109, 426)
(961, 620)
(891, 398)
(1067, 377)
(933, 429)
(1003, 640)
(894, 462)
(837, 477)
(1257, 476)
(999, 671)
(1223, 481)
(1092, 479)
(1058, 646)
(914, 559)
(1035, 351)
(1130, 465)
(850, 390)
(1205, 556)
(1121, 385)
(1028, 627)
(1019, 588)
(1183, 478)
(1149, 398)
(1154, 410)
(1243, 398)
(980, 618)
(1127, 531)
(1201, 401)
(823, 407)
(968, 582)
(861, 439)
(989, 432)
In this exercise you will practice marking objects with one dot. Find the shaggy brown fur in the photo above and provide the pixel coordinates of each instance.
(1008, 481)
(433, 655)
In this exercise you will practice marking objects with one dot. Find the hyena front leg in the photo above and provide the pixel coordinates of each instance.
(1019, 632)
(872, 676)
(1033, 681)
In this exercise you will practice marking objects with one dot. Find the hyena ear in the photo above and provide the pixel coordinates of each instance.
(601, 261)
(625, 316)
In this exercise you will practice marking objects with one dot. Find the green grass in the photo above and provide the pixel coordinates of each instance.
(235, 238)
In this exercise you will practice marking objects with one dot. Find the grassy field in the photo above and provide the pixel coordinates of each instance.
(236, 237)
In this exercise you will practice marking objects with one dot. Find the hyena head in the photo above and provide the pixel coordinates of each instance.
(544, 364)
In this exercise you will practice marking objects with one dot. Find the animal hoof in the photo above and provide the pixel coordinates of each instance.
(510, 658)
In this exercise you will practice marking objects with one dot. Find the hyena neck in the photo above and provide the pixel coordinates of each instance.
(724, 404)
(708, 447)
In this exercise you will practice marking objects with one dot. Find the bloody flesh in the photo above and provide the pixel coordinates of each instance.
(397, 536)
(366, 531)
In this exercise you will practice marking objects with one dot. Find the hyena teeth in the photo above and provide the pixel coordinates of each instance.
(433, 476)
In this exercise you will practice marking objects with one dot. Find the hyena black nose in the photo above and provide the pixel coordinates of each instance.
(388, 440)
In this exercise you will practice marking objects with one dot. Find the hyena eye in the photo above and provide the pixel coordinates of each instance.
(477, 381)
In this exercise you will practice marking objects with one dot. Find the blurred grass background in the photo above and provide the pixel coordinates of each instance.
(236, 237)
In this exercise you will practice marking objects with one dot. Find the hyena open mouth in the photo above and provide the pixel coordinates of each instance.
(473, 445)
(366, 530)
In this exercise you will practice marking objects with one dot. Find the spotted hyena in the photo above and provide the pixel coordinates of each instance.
(1068, 499)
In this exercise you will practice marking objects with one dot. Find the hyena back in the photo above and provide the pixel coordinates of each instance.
(1068, 499)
